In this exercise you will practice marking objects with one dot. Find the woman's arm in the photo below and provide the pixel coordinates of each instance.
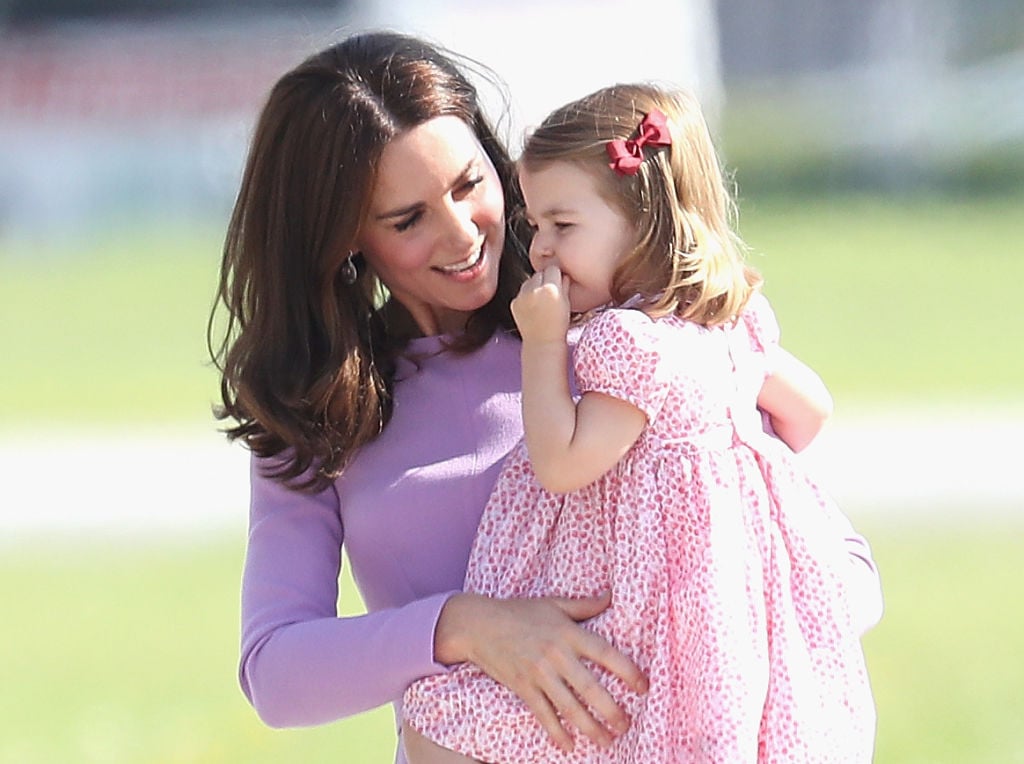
(796, 400)
(301, 664)
(570, 444)
(866, 600)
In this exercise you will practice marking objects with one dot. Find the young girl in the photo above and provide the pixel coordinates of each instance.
(730, 581)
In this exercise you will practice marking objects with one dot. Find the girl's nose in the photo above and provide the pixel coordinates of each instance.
(540, 253)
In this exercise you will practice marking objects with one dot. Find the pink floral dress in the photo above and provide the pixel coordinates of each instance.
(726, 563)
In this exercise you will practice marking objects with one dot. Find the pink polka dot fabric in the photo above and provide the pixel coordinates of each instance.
(726, 563)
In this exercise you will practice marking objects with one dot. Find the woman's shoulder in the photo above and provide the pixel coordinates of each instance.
(435, 355)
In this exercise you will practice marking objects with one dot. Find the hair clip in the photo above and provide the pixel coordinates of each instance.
(627, 155)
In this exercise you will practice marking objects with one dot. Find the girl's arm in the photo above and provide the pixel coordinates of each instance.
(796, 400)
(570, 444)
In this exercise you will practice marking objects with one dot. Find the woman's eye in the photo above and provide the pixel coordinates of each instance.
(409, 222)
(472, 183)
(563, 226)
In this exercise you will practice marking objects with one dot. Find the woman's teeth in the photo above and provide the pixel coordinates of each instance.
(463, 265)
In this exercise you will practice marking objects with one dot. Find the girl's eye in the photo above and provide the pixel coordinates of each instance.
(563, 226)
(409, 222)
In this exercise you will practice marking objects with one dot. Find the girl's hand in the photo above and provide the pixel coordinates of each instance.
(535, 648)
(541, 309)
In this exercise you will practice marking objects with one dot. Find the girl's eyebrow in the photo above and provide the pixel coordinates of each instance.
(409, 208)
(553, 212)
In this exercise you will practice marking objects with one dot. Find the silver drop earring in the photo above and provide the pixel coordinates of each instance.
(348, 271)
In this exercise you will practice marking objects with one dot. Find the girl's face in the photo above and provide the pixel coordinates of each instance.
(436, 225)
(575, 229)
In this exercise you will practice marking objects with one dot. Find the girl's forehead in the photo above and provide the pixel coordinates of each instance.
(558, 181)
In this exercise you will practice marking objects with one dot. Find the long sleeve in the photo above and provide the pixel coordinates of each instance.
(405, 510)
(865, 582)
(301, 664)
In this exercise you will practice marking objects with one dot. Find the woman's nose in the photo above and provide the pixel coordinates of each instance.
(462, 229)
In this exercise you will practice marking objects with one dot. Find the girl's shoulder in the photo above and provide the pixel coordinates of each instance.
(618, 333)
(757, 305)
(621, 353)
(624, 315)
(758, 319)
(619, 323)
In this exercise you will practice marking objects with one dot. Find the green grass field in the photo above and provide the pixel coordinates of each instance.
(126, 652)
(122, 655)
(897, 299)
(117, 653)
(889, 299)
(113, 331)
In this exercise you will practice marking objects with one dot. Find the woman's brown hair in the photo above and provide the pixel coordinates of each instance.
(688, 259)
(307, 358)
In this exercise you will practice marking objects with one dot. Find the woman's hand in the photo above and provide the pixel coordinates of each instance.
(535, 648)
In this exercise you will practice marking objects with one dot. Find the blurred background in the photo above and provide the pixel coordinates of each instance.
(877, 148)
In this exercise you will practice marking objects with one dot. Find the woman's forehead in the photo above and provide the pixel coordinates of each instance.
(423, 161)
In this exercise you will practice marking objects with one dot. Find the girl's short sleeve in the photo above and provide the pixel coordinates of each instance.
(618, 355)
(762, 326)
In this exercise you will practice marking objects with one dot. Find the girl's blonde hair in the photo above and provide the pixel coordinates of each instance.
(688, 260)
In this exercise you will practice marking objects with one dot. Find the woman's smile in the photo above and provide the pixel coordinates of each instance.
(467, 268)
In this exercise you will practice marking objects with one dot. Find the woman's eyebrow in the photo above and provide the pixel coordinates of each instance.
(402, 211)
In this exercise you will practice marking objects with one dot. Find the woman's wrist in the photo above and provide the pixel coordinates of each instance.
(451, 640)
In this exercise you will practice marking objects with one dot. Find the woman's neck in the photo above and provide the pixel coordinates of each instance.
(426, 323)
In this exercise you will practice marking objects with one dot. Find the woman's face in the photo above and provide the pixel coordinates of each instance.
(436, 226)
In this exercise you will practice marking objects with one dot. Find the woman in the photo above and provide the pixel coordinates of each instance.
(369, 363)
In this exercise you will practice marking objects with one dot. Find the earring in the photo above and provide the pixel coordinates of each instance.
(348, 271)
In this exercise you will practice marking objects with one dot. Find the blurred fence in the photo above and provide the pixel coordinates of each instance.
(124, 124)
(132, 120)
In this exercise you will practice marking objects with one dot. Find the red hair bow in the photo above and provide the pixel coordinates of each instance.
(627, 156)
